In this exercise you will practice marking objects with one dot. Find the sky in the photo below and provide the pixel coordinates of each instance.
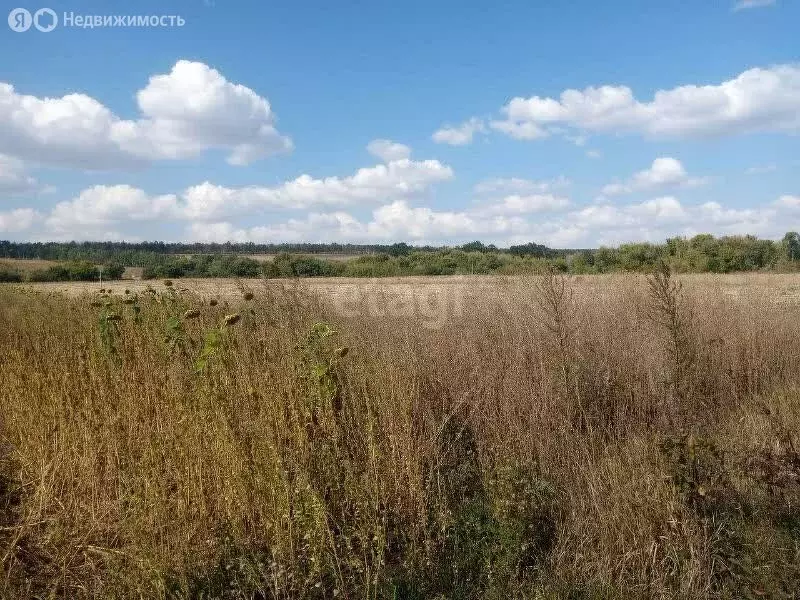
(572, 124)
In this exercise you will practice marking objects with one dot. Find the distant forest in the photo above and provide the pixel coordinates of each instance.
(139, 253)
(78, 261)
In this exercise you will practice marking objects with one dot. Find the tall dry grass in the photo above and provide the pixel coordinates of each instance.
(608, 438)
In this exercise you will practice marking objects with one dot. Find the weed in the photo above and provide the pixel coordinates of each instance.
(541, 451)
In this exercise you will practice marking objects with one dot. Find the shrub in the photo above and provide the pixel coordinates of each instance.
(10, 275)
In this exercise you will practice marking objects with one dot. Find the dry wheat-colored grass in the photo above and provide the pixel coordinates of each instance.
(491, 437)
(27, 264)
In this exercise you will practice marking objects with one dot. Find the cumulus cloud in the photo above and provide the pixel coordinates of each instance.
(314, 227)
(371, 185)
(388, 150)
(516, 204)
(544, 218)
(789, 203)
(588, 226)
(209, 209)
(459, 135)
(102, 206)
(746, 4)
(397, 221)
(757, 100)
(183, 113)
(14, 178)
(664, 173)
(656, 219)
(20, 219)
(518, 129)
(519, 196)
(518, 185)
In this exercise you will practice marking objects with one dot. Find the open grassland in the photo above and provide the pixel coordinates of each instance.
(477, 437)
(779, 287)
(26, 265)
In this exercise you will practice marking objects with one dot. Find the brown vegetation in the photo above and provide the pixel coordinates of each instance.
(27, 264)
(621, 437)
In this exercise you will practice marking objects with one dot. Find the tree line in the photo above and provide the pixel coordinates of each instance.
(699, 254)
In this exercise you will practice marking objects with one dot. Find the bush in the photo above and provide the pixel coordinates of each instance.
(10, 275)
(113, 271)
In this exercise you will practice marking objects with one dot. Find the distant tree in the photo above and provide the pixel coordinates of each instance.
(113, 271)
(531, 249)
(475, 246)
(791, 245)
(400, 249)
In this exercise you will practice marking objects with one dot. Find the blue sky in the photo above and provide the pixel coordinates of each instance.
(571, 124)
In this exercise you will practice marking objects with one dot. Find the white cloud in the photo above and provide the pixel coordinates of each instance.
(589, 226)
(578, 140)
(20, 219)
(518, 129)
(396, 221)
(183, 113)
(593, 154)
(544, 218)
(333, 226)
(103, 207)
(381, 183)
(97, 207)
(664, 208)
(14, 178)
(745, 4)
(664, 173)
(459, 135)
(100, 207)
(520, 205)
(789, 203)
(761, 170)
(655, 220)
(758, 100)
(517, 185)
(388, 150)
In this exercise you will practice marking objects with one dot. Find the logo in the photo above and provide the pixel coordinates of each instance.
(20, 20)
(44, 19)
(47, 24)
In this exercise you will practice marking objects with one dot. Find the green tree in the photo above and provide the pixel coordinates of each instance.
(113, 270)
(791, 246)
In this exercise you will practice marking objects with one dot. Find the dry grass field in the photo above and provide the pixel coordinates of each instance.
(26, 265)
(477, 437)
(781, 287)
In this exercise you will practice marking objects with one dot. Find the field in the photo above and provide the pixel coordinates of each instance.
(25, 265)
(621, 436)
(747, 287)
